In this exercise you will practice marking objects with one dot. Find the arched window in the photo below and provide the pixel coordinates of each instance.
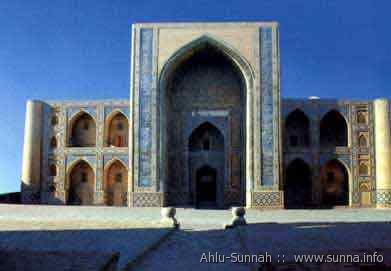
(297, 129)
(53, 170)
(80, 185)
(206, 137)
(333, 130)
(83, 131)
(117, 131)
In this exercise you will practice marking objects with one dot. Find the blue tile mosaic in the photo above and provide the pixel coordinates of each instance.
(267, 97)
(145, 107)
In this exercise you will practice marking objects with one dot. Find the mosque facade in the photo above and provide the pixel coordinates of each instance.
(205, 126)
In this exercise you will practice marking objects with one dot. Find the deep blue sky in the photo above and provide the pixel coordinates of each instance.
(80, 50)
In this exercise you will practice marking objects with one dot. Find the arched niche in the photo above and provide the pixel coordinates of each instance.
(335, 184)
(363, 141)
(333, 130)
(116, 130)
(80, 185)
(115, 183)
(297, 129)
(82, 131)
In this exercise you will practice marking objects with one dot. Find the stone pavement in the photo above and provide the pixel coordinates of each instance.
(269, 232)
(64, 229)
(139, 238)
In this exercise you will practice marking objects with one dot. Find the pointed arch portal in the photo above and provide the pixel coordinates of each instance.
(204, 76)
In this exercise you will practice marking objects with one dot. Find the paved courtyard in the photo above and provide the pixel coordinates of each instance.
(144, 244)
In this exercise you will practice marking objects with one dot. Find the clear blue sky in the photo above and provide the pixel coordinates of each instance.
(80, 50)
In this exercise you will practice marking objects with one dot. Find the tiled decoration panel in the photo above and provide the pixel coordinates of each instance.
(269, 98)
(145, 107)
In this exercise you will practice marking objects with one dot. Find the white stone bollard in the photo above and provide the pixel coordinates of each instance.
(168, 217)
(237, 217)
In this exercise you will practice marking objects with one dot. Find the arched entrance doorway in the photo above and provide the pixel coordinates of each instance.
(206, 187)
(298, 185)
(204, 82)
(335, 184)
(81, 184)
(206, 161)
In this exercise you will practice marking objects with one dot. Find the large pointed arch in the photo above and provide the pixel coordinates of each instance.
(187, 50)
(243, 68)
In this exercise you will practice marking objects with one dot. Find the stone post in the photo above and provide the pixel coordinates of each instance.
(383, 153)
(31, 167)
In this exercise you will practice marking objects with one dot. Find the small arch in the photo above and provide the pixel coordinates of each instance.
(117, 130)
(82, 130)
(297, 129)
(81, 183)
(298, 184)
(364, 187)
(335, 184)
(53, 143)
(362, 141)
(115, 183)
(206, 137)
(52, 170)
(363, 168)
(333, 130)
